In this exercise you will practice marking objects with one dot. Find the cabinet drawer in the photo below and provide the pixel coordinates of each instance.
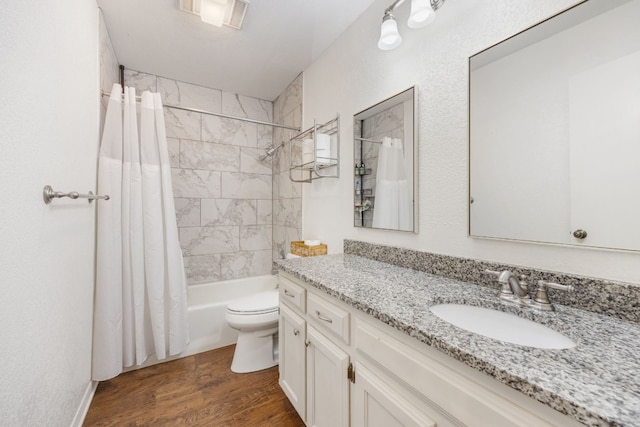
(292, 294)
(328, 316)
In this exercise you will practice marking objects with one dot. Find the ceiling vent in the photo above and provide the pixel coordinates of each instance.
(217, 12)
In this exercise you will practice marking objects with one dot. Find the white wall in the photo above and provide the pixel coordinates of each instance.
(353, 74)
(48, 135)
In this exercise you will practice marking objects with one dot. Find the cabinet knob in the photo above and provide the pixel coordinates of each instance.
(296, 332)
(580, 234)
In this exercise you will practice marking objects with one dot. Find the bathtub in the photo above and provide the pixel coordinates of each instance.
(207, 303)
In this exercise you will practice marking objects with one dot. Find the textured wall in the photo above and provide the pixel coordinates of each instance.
(223, 191)
(49, 125)
(353, 74)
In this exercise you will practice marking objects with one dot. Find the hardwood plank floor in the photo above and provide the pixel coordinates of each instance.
(198, 390)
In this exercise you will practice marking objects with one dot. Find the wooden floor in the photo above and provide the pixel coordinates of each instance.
(198, 390)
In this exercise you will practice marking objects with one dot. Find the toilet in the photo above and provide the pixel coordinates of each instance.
(256, 317)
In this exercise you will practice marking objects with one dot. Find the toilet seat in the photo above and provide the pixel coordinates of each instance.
(260, 303)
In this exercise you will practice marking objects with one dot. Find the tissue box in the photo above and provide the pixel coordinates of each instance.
(299, 248)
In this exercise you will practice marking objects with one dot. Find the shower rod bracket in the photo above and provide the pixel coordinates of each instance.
(48, 194)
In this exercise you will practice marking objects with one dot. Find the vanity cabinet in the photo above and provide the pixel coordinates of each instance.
(362, 372)
(327, 383)
(292, 335)
(378, 401)
(313, 368)
(327, 363)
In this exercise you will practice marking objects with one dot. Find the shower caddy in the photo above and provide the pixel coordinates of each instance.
(313, 169)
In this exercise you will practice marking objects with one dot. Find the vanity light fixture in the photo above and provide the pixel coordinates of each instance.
(389, 36)
(217, 12)
(423, 12)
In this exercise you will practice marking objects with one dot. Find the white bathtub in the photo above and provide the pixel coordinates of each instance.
(207, 303)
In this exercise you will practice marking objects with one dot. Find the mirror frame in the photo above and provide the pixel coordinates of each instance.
(377, 107)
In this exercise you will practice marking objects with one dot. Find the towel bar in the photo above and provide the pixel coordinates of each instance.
(48, 194)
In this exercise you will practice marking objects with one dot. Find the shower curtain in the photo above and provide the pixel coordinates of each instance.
(393, 204)
(140, 305)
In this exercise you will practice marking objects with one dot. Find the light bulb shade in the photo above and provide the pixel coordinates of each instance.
(389, 35)
(422, 14)
(212, 11)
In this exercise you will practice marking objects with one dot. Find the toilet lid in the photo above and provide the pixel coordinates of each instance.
(262, 302)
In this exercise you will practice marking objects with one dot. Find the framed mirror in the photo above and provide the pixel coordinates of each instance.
(385, 155)
(554, 130)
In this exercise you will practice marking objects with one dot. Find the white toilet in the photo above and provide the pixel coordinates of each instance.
(256, 317)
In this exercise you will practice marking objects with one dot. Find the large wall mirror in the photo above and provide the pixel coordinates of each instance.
(385, 154)
(554, 116)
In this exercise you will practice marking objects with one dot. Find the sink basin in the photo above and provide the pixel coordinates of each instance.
(501, 326)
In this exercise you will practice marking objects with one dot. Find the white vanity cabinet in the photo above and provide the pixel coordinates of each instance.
(327, 382)
(292, 338)
(313, 368)
(292, 335)
(362, 372)
(313, 358)
(380, 402)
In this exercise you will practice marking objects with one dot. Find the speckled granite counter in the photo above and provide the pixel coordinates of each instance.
(596, 383)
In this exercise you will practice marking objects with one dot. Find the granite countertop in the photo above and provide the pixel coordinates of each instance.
(597, 382)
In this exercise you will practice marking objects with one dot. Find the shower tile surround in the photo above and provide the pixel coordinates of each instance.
(595, 383)
(223, 193)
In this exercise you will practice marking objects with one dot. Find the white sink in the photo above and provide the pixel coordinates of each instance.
(501, 326)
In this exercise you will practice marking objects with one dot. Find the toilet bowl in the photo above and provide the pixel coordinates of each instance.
(256, 317)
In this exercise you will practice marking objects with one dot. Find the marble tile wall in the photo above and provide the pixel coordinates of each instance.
(223, 191)
(387, 123)
(287, 195)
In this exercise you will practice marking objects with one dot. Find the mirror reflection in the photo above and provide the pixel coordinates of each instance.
(554, 116)
(384, 170)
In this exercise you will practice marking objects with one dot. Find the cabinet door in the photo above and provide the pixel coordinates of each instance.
(292, 338)
(377, 404)
(327, 382)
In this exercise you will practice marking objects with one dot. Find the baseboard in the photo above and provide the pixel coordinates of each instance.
(81, 413)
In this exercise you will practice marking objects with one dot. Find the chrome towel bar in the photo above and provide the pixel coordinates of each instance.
(48, 194)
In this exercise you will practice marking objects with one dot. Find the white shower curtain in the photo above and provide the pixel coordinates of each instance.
(393, 204)
(140, 299)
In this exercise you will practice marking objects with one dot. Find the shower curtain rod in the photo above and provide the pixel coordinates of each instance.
(226, 116)
(369, 140)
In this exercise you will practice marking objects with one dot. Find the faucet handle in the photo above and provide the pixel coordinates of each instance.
(559, 287)
(541, 293)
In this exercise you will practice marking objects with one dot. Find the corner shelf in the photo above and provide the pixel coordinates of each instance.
(319, 167)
